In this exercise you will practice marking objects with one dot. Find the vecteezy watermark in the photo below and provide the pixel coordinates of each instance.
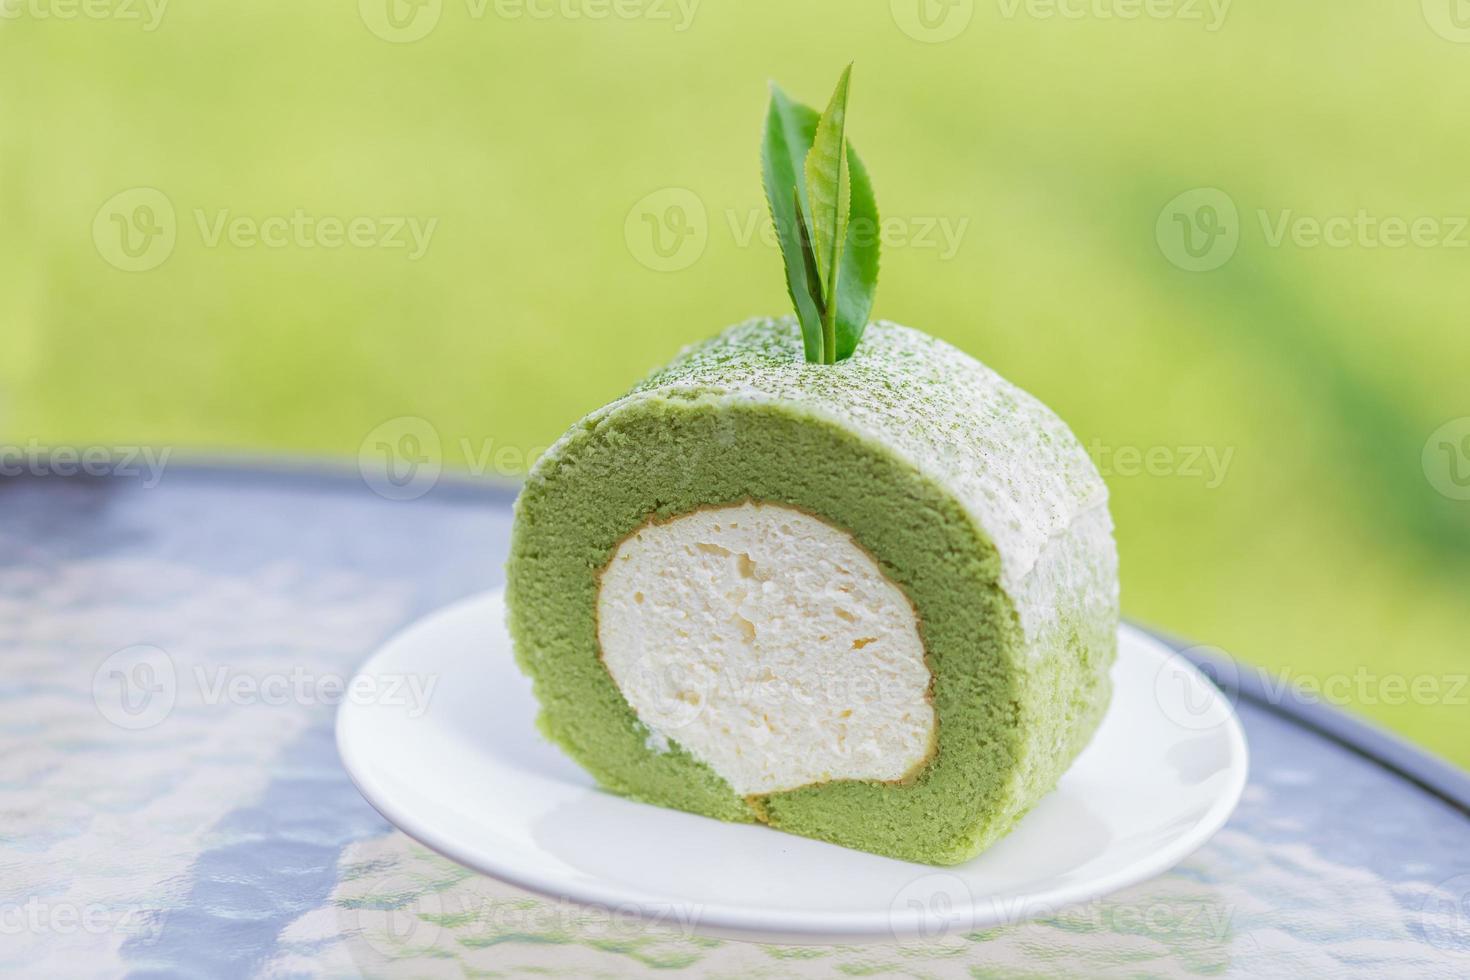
(400, 21)
(403, 458)
(1209, 464)
(405, 21)
(1190, 707)
(1186, 700)
(402, 916)
(936, 21)
(932, 907)
(677, 692)
(669, 229)
(1367, 687)
(306, 688)
(302, 229)
(40, 459)
(1446, 459)
(1450, 19)
(941, 234)
(146, 13)
(38, 916)
(1444, 916)
(398, 917)
(1200, 230)
(677, 14)
(137, 230)
(1210, 14)
(138, 687)
(1363, 229)
(942, 904)
(1196, 918)
(625, 920)
(932, 21)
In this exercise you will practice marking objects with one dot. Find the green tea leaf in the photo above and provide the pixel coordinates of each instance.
(827, 189)
(791, 132)
(809, 264)
(790, 127)
(857, 277)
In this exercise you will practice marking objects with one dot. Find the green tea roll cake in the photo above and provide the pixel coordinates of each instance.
(873, 602)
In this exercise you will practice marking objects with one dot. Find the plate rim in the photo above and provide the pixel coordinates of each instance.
(743, 922)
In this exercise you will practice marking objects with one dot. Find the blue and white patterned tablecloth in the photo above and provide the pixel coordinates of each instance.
(180, 810)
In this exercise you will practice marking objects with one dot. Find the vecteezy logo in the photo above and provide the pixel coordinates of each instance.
(398, 917)
(400, 459)
(1188, 703)
(931, 907)
(1446, 459)
(1445, 914)
(1450, 19)
(136, 687)
(675, 693)
(400, 21)
(667, 230)
(135, 230)
(1199, 230)
(932, 21)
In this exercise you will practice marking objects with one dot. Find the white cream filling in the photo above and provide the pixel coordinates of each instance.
(769, 645)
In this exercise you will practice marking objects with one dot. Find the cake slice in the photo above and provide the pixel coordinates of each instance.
(864, 592)
(873, 602)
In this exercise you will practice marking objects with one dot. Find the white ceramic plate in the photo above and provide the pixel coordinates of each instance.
(464, 771)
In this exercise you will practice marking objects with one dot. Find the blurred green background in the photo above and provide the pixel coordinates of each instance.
(593, 188)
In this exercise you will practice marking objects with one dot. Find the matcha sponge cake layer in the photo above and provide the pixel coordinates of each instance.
(872, 602)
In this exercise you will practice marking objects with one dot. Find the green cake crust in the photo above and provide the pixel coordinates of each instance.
(973, 497)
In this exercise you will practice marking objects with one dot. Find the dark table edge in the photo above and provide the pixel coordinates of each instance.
(1434, 775)
(334, 475)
